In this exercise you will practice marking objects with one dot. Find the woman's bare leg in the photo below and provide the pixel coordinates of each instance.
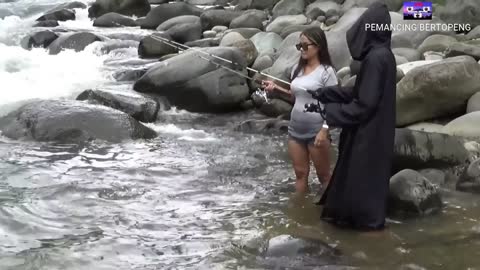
(320, 156)
(301, 164)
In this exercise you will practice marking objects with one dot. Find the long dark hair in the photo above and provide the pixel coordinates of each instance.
(317, 36)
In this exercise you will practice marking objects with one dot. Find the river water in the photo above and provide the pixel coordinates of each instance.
(200, 196)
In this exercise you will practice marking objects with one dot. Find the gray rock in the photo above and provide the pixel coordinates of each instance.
(458, 49)
(464, 126)
(420, 150)
(248, 20)
(411, 193)
(76, 41)
(470, 179)
(138, 8)
(138, 106)
(129, 75)
(151, 48)
(68, 5)
(219, 28)
(59, 15)
(410, 54)
(158, 2)
(393, 5)
(38, 39)
(437, 89)
(474, 103)
(437, 43)
(71, 121)
(400, 60)
(320, 8)
(262, 4)
(186, 32)
(292, 29)
(275, 126)
(206, 42)
(331, 20)
(5, 13)
(263, 62)
(276, 107)
(474, 33)
(185, 19)
(435, 176)
(281, 22)
(209, 34)
(113, 19)
(288, 7)
(164, 12)
(213, 18)
(248, 49)
(230, 38)
(426, 127)
(460, 12)
(201, 86)
(207, 2)
(399, 75)
(266, 43)
(49, 23)
(245, 32)
(415, 32)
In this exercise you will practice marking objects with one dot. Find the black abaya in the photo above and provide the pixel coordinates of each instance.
(357, 194)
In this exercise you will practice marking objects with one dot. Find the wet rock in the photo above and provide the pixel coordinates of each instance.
(158, 2)
(164, 12)
(201, 86)
(276, 107)
(76, 41)
(248, 49)
(138, 8)
(281, 22)
(437, 43)
(212, 18)
(435, 176)
(129, 75)
(470, 179)
(247, 20)
(473, 104)
(39, 39)
(113, 19)
(271, 126)
(458, 48)
(206, 42)
(49, 23)
(5, 13)
(182, 28)
(230, 38)
(288, 7)
(59, 15)
(69, 5)
(420, 150)
(71, 121)
(245, 32)
(266, 43)
(464, 126)
(149, 47)
(138, 106)
(460, 12)
(437, 89)
(412, 193)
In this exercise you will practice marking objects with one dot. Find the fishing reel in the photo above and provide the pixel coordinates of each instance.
(262, 94)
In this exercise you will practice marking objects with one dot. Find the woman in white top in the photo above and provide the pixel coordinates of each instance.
(308, 132)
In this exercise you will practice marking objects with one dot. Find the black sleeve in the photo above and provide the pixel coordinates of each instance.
(335, 94)
(370, 89)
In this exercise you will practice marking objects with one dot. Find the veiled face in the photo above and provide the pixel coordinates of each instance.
(308, 49)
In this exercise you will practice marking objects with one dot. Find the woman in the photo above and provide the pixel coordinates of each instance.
(308, 133)
(357, 195)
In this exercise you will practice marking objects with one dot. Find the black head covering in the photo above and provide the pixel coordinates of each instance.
(361, 40)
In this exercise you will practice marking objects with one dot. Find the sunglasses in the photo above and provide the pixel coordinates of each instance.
(303, 46)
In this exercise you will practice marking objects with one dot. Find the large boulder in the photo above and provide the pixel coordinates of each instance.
(426, 127)
(49, 23)
(68, 5)
(59, 15)
(288, 7)
(437, 43)
(71, 121)
(164, 12)
(409, 53)
(138, 8)
(474, 33)
(248, 49)
(411, 33)
(470, 179)
(262, 4)
(413, 194)
(182, 28)
(393, 5)
(245, 32)
(281, 22)
(149, 47)
(458, 48)
(113, 19)
(420, 150)
(247, 20)
(322, 8)
(38, 39)
(460, 12)
(200, 86)
(464, 126)
(473, 104)
(213, 18)
(437, 89)
(139, 106)
(276, 107)
(75, 41)
(266, 43)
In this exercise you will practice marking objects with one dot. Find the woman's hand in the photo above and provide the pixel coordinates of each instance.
(321, 139)
(269, 86)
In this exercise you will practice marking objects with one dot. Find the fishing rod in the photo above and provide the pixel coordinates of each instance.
(185, 47)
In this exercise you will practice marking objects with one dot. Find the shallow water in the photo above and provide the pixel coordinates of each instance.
(200, 196)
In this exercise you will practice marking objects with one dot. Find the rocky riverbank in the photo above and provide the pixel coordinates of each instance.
(438, 89)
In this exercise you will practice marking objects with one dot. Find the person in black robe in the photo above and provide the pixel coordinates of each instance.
(357, 195)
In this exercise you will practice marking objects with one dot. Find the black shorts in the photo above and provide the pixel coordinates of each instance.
(302, 141)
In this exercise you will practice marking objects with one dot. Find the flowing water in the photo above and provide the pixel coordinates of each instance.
(200, 196)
